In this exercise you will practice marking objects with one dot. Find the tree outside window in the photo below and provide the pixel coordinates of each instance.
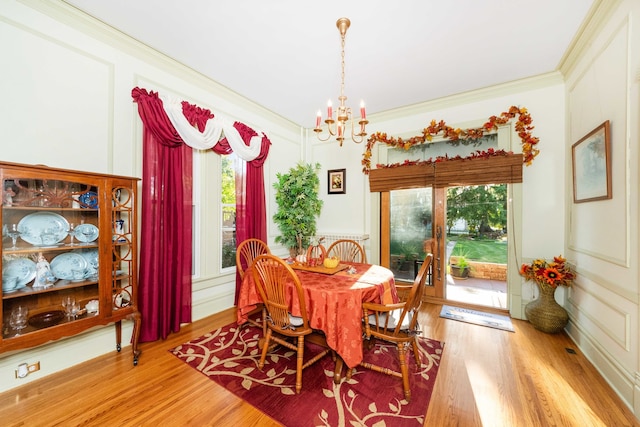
(228, 214)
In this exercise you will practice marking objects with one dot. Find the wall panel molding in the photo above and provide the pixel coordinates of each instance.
(65, 80)
(600, 92)
(620, 335)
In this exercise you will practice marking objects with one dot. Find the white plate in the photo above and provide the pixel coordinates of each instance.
(91, 256)
(86, 233)
(43, 228)
(22, 268)
(64, 264)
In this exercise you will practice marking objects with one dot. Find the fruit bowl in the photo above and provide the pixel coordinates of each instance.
(331, 262)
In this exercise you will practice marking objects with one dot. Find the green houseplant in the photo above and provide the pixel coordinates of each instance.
(459, 266)
(298, 205)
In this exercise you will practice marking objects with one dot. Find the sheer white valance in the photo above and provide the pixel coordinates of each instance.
(212, 132)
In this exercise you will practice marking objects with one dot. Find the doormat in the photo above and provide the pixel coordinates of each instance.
(481, 318)
(229, 356)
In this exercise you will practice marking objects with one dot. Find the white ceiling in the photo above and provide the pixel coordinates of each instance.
(285, 54)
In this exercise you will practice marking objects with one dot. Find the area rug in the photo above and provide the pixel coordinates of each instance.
(229, 356)
(476, 317)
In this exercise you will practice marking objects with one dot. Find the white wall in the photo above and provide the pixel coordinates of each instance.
(602, 236)
(66, 102)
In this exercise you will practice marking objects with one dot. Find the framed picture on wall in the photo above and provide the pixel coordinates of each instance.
(592, 165)
(337, 181)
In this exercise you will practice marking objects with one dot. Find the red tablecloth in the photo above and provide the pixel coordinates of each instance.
(334, 303)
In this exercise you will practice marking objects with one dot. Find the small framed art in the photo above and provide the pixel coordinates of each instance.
(337, 181)
(592, 166)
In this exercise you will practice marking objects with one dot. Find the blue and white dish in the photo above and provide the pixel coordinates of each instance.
(86, 233)
(9, 284)
(89, 200)
(23, 269)
(65, 265)
(43, 228)
(91, 256)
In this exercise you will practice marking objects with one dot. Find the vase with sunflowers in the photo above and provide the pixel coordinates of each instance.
(545, 313)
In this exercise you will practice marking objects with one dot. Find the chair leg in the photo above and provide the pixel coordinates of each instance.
(416, 352)
(349, 373)
(265, 348)
(299, 364)
(264, 321)
(404, 370)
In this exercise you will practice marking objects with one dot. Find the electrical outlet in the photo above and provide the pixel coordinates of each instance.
(25, 369)
(34, 367)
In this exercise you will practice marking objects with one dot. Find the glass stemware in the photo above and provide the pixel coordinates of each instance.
(72, 233)
(14, 234)
(70, 306)
(18, 318)
(87, 232)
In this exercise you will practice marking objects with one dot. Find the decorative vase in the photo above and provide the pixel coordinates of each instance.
(544, 313)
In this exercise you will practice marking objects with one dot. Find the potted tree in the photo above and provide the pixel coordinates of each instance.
(459, 266)
(298, 206)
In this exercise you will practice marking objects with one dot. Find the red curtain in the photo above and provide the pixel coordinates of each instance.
(166, 226)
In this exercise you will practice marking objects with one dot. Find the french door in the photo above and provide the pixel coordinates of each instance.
(415, 222)
(412, 224)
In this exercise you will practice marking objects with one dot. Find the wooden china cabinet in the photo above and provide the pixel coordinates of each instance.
(69, 254)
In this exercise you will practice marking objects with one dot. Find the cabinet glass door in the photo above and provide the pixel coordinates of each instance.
(50, 252)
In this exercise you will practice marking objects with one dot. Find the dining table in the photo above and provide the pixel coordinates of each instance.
(333, 302)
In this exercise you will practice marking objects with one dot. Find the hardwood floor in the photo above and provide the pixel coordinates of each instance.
(487, 377)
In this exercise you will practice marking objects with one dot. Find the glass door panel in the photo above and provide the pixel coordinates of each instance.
(410, 228)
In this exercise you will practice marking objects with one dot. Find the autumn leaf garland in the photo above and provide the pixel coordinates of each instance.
(523, 127)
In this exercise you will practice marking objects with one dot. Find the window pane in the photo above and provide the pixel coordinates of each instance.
(442, 148)
(228, 214)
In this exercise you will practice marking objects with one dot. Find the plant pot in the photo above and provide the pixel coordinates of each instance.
(460, 272)
(544, 313)
(294, 252)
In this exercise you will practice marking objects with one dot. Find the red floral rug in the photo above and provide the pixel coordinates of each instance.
(230, 355)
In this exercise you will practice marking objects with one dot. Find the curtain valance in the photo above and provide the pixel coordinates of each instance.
(477, 171)
(212, 132)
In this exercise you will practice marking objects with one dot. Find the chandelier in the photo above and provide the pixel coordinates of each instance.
(338, 127)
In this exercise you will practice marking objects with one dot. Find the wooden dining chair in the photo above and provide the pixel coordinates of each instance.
(271, 276)
(347, 250)
(246, 252)
(397, 324)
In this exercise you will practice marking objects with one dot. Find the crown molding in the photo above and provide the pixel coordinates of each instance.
(478, 95)
(597, 17)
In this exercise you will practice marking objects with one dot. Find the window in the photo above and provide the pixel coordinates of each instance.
(228, 214)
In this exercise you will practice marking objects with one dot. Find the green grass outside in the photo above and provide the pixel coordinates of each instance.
(480, 250)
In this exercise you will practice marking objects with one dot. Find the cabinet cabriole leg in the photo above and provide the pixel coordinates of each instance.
(137, 320)
(118, 335)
